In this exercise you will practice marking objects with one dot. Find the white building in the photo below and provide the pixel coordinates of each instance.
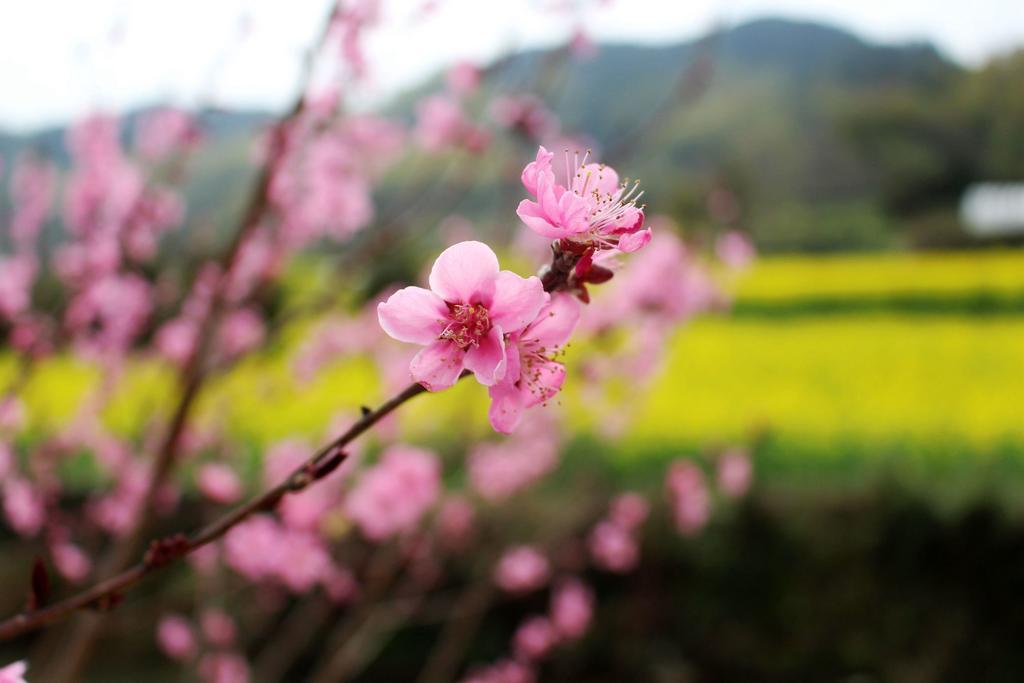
(993, 209)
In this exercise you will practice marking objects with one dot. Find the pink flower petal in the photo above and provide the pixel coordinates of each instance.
(413, 315)
(546, 381)
(533, 216)
(554, 324)
(635, 241)
(465, 273)
(517, 301)
(537, 169)
(506, 409)
(487, 361)
(437, 366)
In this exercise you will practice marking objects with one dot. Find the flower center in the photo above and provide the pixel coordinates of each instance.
(467, 325)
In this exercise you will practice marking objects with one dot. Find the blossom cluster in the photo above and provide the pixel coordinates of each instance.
(507, 330)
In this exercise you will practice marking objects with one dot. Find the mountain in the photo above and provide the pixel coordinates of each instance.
(813, 136)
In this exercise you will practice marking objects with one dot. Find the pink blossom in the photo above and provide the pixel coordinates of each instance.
(252, 547)
(12, 414)
(23, 506)
(521, 569)
(14, 673)
(464, 316)
(691, 502)
(735, 473)
(224, 667)
(176, 339)
(534, 638)
(455, 522)
(572, 608)
(581, 45)
(165, 131)
(219, 483)
(498, 470)
(16, 276)
(629, 510)
(304, 561)
(393, 495)
(175, 636)
(613, 548)
(735, 250)
(524, 114)
(299, 512)
(72, 563)
(340, 585)
(532, 375)
(218, 627)
(463, 78)
(241, 331)
(110, 313)
(591, 209)
(440, 123)
(32, 185)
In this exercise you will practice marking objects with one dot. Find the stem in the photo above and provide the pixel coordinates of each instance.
(165, 552)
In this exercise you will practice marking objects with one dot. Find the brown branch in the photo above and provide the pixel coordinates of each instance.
(164, 552)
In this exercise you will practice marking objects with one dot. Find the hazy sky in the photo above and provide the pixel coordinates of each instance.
(61, 58)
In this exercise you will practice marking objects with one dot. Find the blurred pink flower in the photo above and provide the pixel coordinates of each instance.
(534, 638)
(392, 496)
(572, 608)
(14, 673)
(521, 569)
(455, 522)
(525, 114)
(23, 506)
(735, 250)
(177, 338)
(735, 473)
(16, 276)
(219, 483)
(241, 331)
(253, 547)
(218, 627)
(501, 469)
(176, 638)
(440, 123)
(71, 562)
(581, 45)
(463, 317)
(463, 78)
(532, 375)
(591, 210)
(165, 131)
(31, 189)
(299, 512)
(304, 561)
(12, 414)
(224, 667)
(691, 502)
(613, 548)
(629, 510)
(109, 313)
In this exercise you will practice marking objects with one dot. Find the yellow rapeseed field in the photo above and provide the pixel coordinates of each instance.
(868, 377)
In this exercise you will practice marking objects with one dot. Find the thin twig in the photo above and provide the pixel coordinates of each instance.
(167, 551)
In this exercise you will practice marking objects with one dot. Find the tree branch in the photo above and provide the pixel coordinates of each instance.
(166, 551)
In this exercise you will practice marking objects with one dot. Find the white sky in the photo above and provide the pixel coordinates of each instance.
(62, 58)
